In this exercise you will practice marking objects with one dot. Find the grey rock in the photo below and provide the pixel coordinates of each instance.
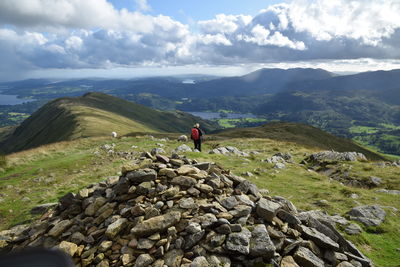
(390, 192)
(279, 165)
(183, 148)
(183, 138)
(229, 202)
(143, 175)
(267, 209)
(239, 242)
(184, 181)
(261, 244)
(188, 203)
(193, 239)
(144, 260)
(173, 258)
(369, 215)
(288, 217)
(305, 258)
(336, 156)
(319, 238)
(353, 229)
(375, 181)
(200, 261)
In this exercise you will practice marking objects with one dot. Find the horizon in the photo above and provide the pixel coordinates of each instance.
(145, 38)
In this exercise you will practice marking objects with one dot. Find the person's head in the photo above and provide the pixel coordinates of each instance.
(197, 125)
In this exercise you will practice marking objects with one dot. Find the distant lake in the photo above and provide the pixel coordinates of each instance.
(216, 115)
(13, 100)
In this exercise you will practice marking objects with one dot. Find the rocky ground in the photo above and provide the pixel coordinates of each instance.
(174, 211)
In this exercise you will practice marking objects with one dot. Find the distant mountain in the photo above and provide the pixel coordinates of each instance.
(301, 134)
(94, 114)
(263, 81)
(370, 81)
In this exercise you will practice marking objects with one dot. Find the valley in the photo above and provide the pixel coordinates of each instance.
(337, 104)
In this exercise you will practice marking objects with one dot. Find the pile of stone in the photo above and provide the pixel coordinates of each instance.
(335, 156)
(229, 150)
(173, 211)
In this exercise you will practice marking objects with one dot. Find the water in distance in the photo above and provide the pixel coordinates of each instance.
(12, 100)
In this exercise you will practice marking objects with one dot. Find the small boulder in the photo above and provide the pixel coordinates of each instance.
(372, 215)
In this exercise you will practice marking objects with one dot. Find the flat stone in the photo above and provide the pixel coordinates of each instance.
(239, 242)
(267, 209)
(305, 258)
(60, 227)
(205, 188)
(187, 169)
(184, 181)
(156, 224)
(319, 238)
(142, 175)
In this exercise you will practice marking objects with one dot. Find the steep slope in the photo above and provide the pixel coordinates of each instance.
(94, 114)
(300, 134)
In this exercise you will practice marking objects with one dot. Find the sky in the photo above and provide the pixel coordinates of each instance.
(131, 38)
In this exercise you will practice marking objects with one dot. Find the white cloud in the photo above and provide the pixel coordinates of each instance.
(224, 23)
(78, 34)
(142, 5)
(367, 21)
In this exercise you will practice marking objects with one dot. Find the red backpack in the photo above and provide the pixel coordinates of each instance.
(195, 134)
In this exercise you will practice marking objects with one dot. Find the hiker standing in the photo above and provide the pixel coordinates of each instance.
(196, 136)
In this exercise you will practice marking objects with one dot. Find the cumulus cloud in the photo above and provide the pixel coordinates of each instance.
(75, 34)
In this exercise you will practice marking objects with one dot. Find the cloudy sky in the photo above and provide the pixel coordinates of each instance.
(128, 38)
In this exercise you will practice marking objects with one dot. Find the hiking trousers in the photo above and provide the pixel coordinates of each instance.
(197, 144)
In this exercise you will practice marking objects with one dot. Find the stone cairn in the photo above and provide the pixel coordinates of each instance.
(173, 211)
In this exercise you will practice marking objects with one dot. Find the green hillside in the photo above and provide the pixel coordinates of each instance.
(94, 114)
(301, 134)
(44, 174)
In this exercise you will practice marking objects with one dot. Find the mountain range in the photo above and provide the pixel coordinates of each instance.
(364, 106)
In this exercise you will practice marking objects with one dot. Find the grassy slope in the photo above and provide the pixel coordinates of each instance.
(46, 173)
(301, 134)
(94, 114)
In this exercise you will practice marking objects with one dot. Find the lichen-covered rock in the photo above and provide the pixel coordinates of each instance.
(239, 242)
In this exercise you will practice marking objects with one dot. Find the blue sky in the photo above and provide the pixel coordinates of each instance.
(127, 38)
(186, 10)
